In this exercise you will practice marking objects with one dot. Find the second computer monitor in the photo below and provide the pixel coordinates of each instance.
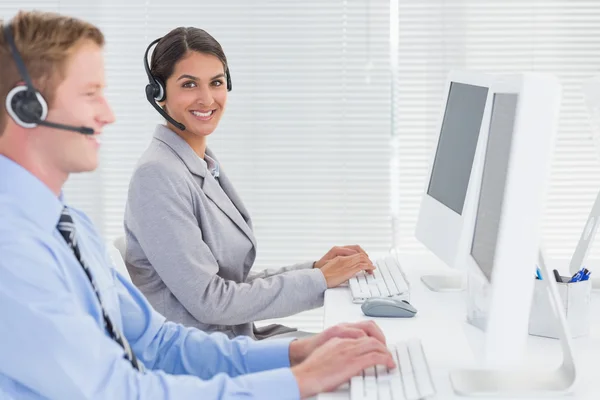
(446, 198)
(509, 182)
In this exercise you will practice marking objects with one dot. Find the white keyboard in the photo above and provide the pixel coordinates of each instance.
(411, 380)
(388, 280)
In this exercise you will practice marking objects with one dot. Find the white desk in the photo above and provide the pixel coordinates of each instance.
(450, 342)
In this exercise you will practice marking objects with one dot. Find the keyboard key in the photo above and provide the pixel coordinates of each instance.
(362, 282)
(398, 278)
(417, 356)
(388, 280)
(357, 388)
(355, 289)
(383, 289)
(406, 371)
(372, 285)
(420, 368)
(396, 385)
(384, 391)
(381, 370)
(370, 372)
(370, 383)
(404, 361)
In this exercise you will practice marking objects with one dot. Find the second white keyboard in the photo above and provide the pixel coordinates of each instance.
(388, 280)
(411, 380)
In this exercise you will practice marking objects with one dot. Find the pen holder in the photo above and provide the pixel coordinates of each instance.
(575, 302)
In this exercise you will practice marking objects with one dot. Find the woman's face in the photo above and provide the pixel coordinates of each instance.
(197, 92)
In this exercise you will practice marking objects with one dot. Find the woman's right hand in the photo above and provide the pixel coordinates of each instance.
(342, 268)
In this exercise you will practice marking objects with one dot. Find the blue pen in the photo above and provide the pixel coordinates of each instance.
(538, 273)
(577, 277)
(586, 276)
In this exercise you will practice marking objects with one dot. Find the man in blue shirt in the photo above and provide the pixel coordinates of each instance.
(71, 327)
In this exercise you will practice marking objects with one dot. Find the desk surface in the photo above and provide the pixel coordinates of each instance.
(450, 342)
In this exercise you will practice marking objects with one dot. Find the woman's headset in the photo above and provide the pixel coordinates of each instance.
(24, 103)
(155, 89)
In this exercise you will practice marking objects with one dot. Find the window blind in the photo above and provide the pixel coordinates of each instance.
(305, 137)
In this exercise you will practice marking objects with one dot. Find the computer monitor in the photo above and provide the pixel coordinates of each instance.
(509, 182)
(446, 199)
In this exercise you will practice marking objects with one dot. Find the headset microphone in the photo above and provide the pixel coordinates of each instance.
(25, 104)
(80, 129)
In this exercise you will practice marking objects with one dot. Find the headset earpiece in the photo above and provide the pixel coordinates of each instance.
(24, 103)
(25, 107)
(156, 91)
(160, 92)
(155, 88)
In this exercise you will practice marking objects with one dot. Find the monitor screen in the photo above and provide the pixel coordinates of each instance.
(456, 146)
(493, 181)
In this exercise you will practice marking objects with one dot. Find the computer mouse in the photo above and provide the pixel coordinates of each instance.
(388, 307)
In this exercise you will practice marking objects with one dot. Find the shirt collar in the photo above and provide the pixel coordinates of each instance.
(29, 194)
(195, 164)
(211, 165)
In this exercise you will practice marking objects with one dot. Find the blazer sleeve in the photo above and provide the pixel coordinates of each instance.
(268, 272)
(161, 216)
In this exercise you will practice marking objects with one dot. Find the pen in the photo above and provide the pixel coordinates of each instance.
(576, 277)
(579, 275)
(557, 276)
(586, 276)
(538, 273)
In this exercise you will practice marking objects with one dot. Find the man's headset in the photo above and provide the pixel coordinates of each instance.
(24, 103)
(155, 89)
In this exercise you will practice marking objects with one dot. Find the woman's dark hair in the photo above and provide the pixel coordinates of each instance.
(175, 45)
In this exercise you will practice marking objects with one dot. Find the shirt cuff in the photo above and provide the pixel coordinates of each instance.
(277, 384)
(269, 354)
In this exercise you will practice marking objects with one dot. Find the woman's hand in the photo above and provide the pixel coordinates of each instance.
(340, 269)
(339, 251)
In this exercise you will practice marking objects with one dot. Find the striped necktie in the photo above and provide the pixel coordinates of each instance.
(66, 227)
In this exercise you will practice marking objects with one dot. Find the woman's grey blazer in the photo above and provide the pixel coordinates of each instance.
(190, 248)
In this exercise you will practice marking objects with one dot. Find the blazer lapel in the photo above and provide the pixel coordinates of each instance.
(216, 193)
(210, 187)
(228, 188)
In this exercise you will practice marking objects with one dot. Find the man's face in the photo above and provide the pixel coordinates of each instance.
(79, 101)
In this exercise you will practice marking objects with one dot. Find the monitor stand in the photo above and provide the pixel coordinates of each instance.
(450, 281)
(444, 282)
(585, 242)
(523, 382)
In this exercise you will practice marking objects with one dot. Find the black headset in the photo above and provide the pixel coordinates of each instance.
(155, 89)
(24, 103)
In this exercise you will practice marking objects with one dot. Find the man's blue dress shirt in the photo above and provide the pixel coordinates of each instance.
(52, 341)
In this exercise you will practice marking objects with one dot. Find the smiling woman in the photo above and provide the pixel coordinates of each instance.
(189, 238)
(190, 64)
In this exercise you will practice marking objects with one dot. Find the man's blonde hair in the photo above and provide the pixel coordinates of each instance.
(45, 41)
